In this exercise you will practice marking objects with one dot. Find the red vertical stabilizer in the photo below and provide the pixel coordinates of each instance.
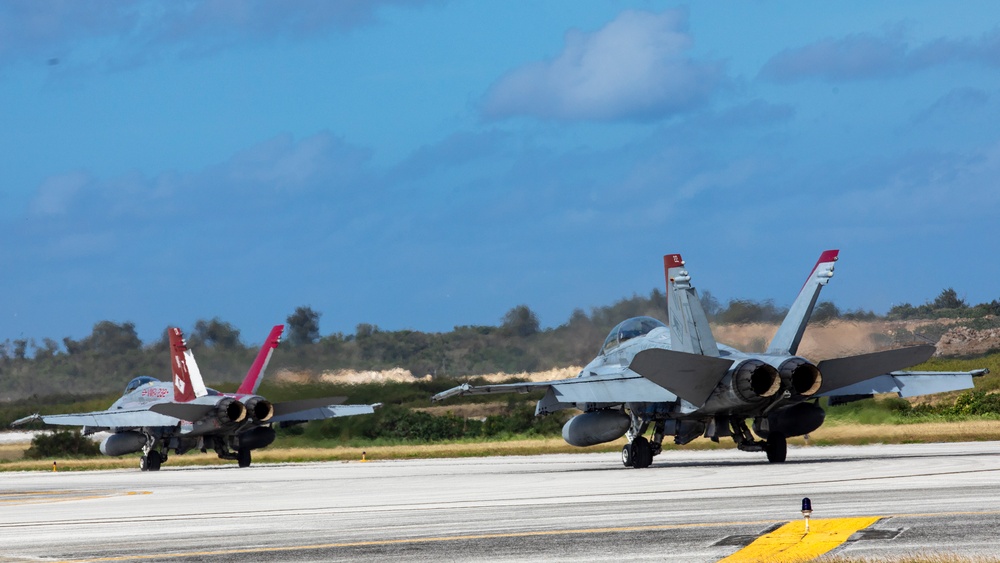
(183, 389)
(252, 381)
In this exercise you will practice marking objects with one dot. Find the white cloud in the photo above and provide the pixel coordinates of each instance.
(635, 67)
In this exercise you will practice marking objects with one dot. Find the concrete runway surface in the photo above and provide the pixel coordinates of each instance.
(689, 506)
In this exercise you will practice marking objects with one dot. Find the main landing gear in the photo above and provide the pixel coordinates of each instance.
(776, 446)
(151, 461)
(638, 454)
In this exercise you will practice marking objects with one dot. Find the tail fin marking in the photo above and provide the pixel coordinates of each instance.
(188, 383)
(789, 335)
(689, 330)
(256, 374)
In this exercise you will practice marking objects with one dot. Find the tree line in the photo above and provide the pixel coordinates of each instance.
(113, 353)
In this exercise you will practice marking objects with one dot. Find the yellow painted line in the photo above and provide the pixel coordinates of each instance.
(375, 543)
(43, 497)
(791, 542)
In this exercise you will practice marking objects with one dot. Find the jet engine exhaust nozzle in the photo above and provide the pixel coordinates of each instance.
(259, 409)
(800, 376)
(754, 379)
(230, 410)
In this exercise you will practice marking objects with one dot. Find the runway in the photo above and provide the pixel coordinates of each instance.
(689, 506)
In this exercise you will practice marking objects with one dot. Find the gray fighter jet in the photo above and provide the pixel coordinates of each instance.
(156, 416)
(678, 381)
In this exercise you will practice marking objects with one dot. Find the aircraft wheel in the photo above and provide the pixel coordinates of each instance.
(153, 461)
(627, 458)
(243, 457)
(642, 453)
(776, 448)
(143, 464)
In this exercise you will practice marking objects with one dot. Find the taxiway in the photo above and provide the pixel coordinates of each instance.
(689, 506)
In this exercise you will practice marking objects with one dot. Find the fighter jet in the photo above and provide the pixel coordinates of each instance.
(678, 381)
(155, 417)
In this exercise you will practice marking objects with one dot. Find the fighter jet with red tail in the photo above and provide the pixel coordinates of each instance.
(651, 380)
(156, 417)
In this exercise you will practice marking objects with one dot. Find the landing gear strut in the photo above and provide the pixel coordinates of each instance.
(776, 446)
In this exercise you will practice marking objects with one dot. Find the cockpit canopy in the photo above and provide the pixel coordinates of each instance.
(139, 382)
(629, 329)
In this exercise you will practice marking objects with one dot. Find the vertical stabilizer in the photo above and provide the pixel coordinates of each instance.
(188, 383)
(252, 381)
(689, 330)
(789, 335)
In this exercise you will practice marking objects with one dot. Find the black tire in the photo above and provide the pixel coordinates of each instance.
(628, 459)
(153, 461)
(776, 448)
(243, 457)
(642, 453)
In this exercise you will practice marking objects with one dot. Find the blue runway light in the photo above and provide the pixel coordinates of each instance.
(806, 505)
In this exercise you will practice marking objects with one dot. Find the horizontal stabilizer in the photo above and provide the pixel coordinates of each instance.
(183, 411)
(689, 376)
(289, 407)
(842, 372)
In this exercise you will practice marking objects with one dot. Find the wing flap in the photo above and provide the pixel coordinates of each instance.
(911, 383)
(116, 419)
(690, 376)
(613, 389)
(294, 407)
(843, 372)
(324, 412)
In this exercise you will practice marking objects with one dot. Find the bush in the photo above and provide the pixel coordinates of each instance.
(977, 403)
(61, 443)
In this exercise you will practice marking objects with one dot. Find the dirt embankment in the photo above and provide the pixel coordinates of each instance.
(962, 341)
(832, 339)
(350, 377)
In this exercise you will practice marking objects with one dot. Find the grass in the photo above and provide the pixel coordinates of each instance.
(832, 433)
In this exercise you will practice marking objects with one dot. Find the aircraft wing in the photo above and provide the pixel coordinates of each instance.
(840, 373)
(622, 387)
(318, 409)
(911, 383)
(105, 419)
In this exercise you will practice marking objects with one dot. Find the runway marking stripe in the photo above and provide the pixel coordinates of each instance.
(45, 497)
(791, 542)
(414, 541)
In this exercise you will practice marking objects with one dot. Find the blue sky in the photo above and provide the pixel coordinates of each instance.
(426, 164)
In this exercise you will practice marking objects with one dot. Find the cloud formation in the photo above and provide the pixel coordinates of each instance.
(864, 56)
(635, 67)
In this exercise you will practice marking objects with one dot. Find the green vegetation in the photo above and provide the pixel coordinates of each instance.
(88, 374)
(61, 443)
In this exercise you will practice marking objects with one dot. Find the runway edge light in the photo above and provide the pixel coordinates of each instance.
(807, 511)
